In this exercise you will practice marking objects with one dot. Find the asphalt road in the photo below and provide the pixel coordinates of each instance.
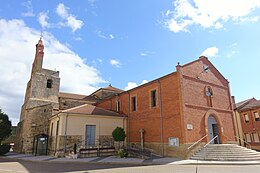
(19, 166)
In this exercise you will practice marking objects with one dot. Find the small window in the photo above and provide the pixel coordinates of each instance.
(248, 138)
(133, 103)
(256, 116)
(209, 94)
(49, 83)
(51, 129)
(118, 106)
(246, 118)
(256, 137)
(57, 128)
(153, 98)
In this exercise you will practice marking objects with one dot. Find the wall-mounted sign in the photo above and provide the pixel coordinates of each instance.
(174, 142)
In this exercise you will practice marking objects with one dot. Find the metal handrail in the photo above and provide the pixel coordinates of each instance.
(250, 146)
(210, 141)
(197, 142)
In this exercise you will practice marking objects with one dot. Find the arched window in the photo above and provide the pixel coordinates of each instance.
(49, 83)
(209, 94)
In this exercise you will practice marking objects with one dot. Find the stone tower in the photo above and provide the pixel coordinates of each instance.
(41, 98)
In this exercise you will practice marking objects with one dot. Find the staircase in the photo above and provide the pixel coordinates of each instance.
(226, 152)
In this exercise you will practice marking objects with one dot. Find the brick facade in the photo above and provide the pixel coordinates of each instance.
(181, 102)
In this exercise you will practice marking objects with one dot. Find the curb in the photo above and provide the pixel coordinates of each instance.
(144, 163)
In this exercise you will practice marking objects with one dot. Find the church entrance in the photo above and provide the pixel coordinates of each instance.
(40, 145)
(213, 130)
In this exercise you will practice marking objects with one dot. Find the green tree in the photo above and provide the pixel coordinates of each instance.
(5, 126)
(119, 135)
(5, 131)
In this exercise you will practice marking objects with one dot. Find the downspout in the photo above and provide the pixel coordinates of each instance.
(161, 117)
(233, 112)
(56, 143)
(65, 134)
(128, 120)
(179, 79)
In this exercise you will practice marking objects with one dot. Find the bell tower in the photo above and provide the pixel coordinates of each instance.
(38, 60)
(41, 98)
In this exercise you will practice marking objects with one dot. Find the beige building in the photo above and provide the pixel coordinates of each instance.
(85, 125)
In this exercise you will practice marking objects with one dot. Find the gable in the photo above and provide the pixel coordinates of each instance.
(203, 70)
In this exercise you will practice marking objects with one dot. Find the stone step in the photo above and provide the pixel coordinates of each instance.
(227, 156)
(229, 152)
(223, 155)
(233, 151)
(226, 159)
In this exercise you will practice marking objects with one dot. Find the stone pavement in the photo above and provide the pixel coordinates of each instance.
(133, 161)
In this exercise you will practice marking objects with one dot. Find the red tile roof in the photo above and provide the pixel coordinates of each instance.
(252, 105)
(88, 109)
(108, 88)
(77, 96)
(243, 103)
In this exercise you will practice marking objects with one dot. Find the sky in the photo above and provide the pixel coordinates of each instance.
(94, 43)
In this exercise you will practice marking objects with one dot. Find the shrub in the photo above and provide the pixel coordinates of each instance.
(4, 148)
(119, 135)
(122, 153)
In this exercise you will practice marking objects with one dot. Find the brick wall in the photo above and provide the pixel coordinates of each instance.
(181, 101)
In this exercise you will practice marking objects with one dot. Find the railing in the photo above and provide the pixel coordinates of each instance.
(139, 151)
(195, 143)
(250, 146)
(210, 141)
(204, 151)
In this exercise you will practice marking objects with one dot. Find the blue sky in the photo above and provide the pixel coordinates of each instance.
(126, 43)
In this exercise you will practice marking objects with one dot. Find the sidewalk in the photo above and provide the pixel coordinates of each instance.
(133, 161)
(99, 160)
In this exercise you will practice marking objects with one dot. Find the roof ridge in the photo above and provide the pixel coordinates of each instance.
(80, 106)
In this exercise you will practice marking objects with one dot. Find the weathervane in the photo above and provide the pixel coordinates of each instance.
(41, 35)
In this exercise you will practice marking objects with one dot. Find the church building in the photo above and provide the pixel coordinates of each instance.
(171, 113)
(167, 114)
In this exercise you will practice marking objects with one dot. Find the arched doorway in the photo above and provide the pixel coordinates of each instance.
(213, 130)
(40, 145)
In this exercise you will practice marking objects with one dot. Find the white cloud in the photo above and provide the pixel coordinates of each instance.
(17, 50)
(29, 8)
(131, 85)
(62, 10)
(105, 36)
(111, 36)
(209, 13)
(115, 63)
(70, 20)
(146, 53)
(210, 52)
(42, 19)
